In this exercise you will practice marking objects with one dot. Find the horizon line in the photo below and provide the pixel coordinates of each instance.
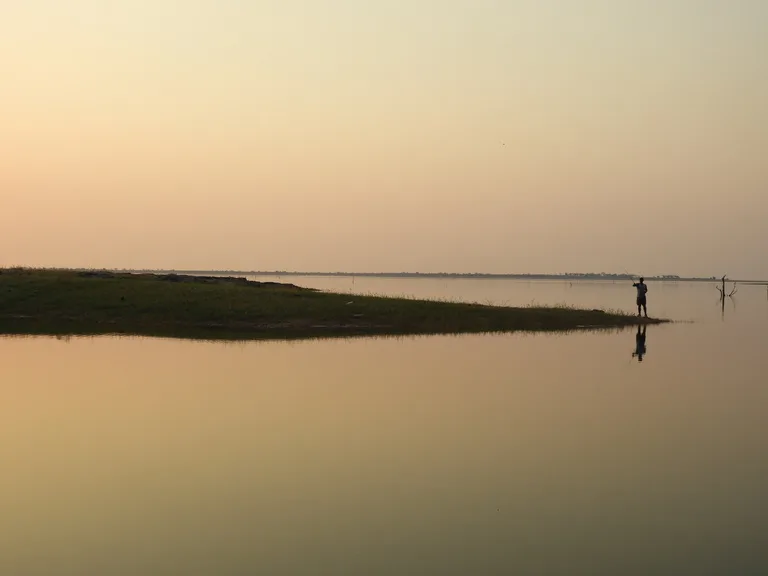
(560, 275)
(536, 275)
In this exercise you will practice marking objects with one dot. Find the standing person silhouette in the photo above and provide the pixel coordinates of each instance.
(641, 291)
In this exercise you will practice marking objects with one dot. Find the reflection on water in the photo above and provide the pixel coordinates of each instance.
(482, 454)
(721, 301)
(640, 343)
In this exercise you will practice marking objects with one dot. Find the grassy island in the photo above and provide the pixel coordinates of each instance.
(59, 302)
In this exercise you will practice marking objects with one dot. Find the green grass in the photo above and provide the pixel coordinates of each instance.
(100, 302)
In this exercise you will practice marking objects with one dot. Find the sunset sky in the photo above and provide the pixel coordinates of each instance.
(419, 135)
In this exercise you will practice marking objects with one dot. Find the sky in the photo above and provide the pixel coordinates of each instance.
(491, 136)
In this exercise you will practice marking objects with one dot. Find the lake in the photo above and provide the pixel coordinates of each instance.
(480, 454)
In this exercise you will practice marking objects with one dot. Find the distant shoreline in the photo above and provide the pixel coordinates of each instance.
(443, 275)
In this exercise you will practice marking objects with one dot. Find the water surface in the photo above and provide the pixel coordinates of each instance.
(513, 454)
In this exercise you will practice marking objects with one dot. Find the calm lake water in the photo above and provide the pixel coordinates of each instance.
(513, 454)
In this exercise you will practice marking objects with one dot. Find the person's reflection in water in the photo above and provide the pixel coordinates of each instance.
(639, 343)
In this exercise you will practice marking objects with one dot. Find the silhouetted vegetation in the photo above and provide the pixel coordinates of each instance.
(103, 302)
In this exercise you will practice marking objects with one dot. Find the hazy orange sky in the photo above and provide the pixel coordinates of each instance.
(427, 135)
